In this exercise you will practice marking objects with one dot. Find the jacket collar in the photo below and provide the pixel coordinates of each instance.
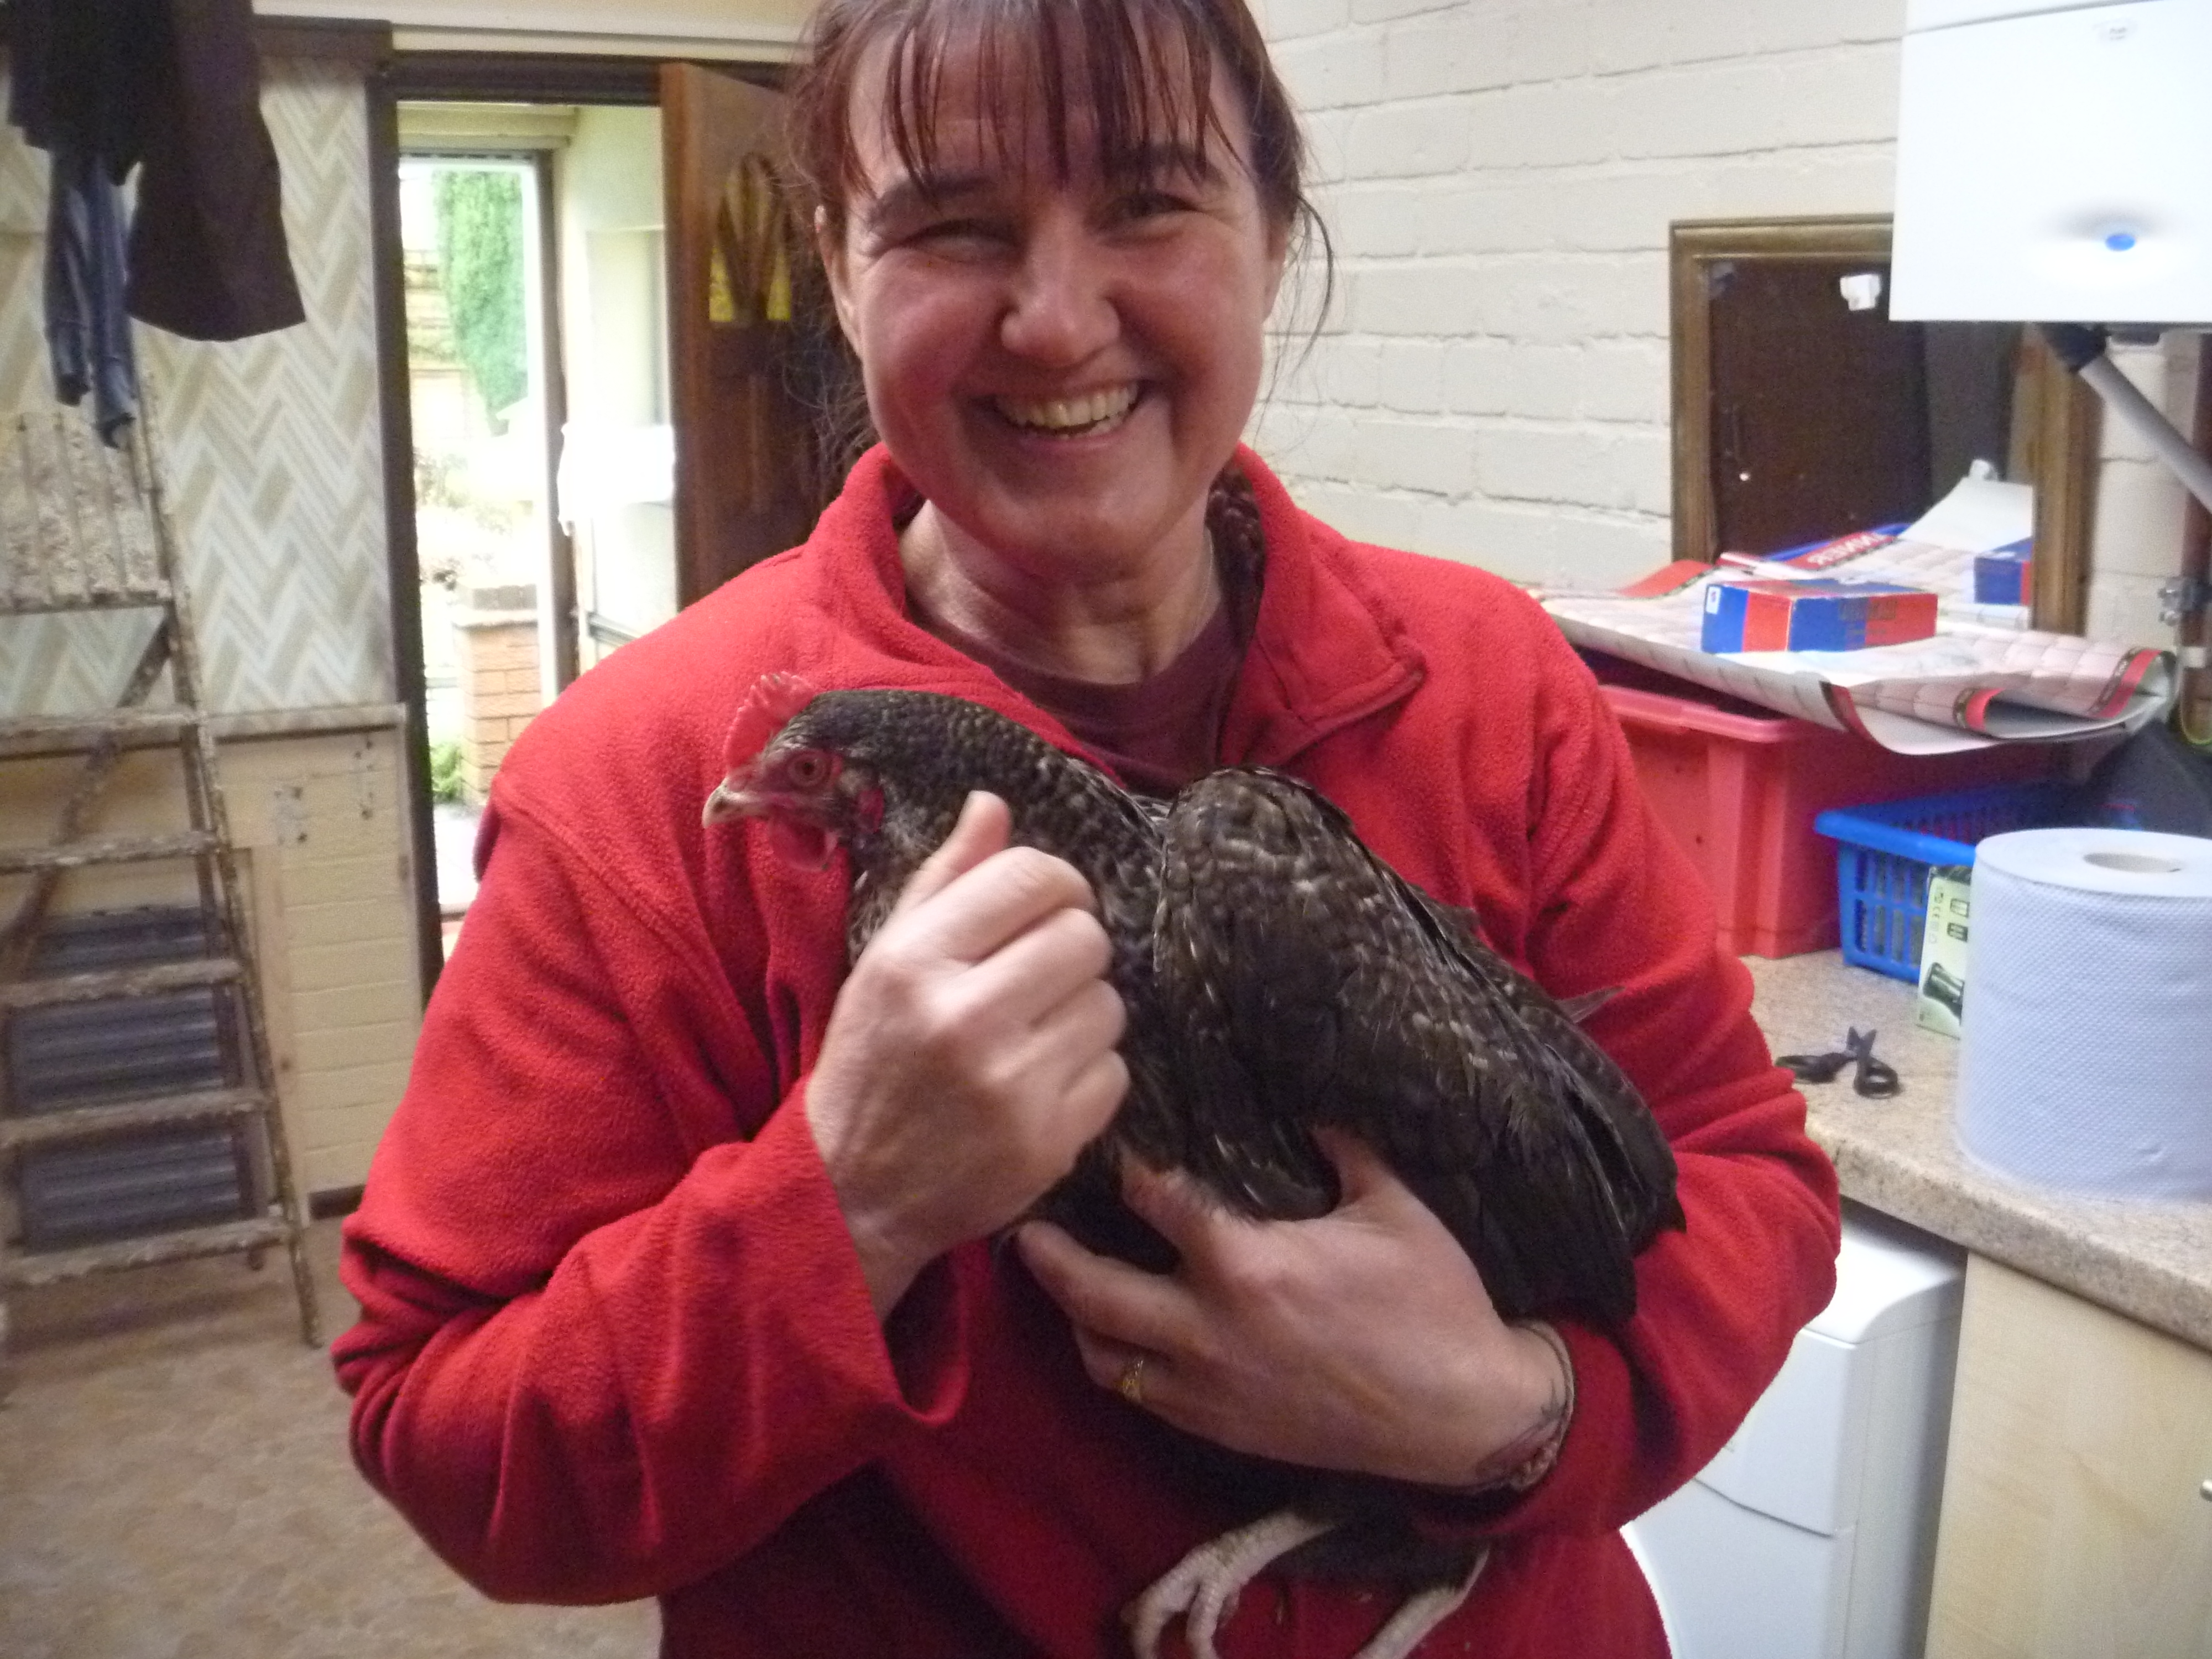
(1326, 649)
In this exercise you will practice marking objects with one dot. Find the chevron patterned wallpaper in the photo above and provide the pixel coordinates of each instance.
(274, 445)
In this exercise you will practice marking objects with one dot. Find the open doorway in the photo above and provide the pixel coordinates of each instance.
(604, 322)
(538, 365)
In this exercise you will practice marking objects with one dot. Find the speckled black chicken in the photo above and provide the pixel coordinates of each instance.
(1278, 977)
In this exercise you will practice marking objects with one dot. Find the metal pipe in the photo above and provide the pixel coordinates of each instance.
(2081, 349)
(2176, 451)
(2193, 703)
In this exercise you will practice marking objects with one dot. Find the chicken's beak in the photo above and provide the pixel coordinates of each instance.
(732, 799)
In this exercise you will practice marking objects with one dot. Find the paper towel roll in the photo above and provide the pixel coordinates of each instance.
(2086, 1060)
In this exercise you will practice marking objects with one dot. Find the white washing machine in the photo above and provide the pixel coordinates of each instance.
(1812, 1534)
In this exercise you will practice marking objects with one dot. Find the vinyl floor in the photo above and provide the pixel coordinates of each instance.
(174, 1484)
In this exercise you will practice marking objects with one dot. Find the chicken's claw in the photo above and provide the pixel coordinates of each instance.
(1419, 1614)
(1202, 1587)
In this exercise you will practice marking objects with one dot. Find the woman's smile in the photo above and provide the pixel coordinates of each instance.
(1080, 414)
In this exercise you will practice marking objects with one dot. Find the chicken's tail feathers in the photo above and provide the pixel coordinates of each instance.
(1631, 1158)
(1565, 1215)
(1627, 1150)
(1554, 1187)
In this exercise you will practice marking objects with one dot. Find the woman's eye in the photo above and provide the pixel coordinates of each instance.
(1139, 206)
(960, 233)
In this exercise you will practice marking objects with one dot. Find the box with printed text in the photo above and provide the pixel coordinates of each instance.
(1822, 614)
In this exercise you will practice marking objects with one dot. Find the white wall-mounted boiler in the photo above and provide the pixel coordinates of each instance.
(2054, 162)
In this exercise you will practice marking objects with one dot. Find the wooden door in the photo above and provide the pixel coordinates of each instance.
(747, 308)
(1819, 412)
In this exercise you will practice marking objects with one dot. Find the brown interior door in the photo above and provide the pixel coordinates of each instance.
(1819, 412)
(745, 302)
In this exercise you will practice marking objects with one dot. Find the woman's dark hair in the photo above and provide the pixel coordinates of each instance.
(1144, 74)
(1149, 66)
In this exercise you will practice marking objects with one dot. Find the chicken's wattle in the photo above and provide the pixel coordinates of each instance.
(799, 842)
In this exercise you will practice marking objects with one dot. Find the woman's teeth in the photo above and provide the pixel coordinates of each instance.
(1098, 411)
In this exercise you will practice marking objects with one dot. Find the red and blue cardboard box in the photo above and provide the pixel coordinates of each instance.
(1771, 614)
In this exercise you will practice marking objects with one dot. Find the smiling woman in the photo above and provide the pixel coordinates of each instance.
(1054, 249)
(676, 1266)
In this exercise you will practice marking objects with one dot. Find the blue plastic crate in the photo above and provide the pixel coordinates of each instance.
(1887, 849)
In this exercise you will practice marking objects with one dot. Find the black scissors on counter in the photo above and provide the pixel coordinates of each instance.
(1874, 1079)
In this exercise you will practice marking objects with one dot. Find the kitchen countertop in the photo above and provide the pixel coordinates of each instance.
(2152, 1262)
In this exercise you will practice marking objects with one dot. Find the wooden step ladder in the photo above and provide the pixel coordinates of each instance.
(85, 529)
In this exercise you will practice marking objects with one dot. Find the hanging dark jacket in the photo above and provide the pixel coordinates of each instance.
(172, 88)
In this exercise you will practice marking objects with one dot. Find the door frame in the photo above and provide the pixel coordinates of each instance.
(2067, 413)
(400, 78)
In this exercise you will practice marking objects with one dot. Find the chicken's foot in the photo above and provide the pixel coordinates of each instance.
(1203, 1585)
(1421, 1613)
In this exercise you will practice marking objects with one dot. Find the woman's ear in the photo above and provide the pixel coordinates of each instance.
(830, 248)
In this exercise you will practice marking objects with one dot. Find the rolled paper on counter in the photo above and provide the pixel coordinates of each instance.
(2085, 1057)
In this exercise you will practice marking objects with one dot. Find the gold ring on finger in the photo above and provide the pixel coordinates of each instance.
(1131, 1383)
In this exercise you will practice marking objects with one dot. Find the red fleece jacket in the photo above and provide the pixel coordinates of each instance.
(616, 1341)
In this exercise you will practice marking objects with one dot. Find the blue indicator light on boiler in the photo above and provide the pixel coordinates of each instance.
(2120, 240)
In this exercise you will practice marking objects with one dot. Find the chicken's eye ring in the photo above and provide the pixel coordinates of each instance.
(810, 769)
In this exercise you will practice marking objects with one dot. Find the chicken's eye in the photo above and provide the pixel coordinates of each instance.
(810, 769)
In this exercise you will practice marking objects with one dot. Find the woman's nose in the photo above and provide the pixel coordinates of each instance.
(1061, 310)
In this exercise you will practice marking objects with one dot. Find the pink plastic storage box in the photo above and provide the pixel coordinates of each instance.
(1740, 787)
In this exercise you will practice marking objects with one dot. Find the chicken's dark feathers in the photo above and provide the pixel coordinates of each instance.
(1319, 987)
(1278, 978)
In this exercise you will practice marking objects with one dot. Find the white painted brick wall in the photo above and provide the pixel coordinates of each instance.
(1498, 177)
(2140, 502)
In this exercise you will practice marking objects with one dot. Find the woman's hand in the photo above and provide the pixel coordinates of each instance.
(1363, 1340)
(971, 1053)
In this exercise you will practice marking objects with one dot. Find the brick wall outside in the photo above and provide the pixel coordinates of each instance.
(1498, 177)
(495, 635)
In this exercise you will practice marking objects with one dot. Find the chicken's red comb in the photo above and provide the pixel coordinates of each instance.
(773, 701)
